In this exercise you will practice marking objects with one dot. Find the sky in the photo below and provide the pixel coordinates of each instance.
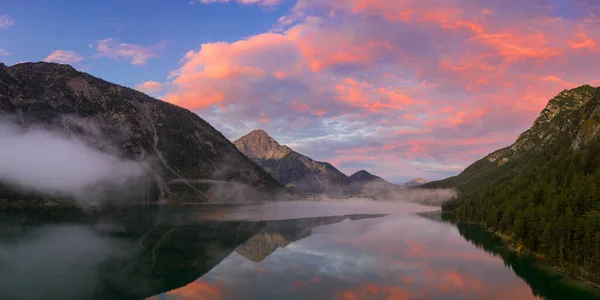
(400, 88)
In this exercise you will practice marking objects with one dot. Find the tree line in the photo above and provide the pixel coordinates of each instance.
(547, 201)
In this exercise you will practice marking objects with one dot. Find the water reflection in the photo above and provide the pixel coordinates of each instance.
(131, 254)
(235, 252)
(393, 257)
(544, 281)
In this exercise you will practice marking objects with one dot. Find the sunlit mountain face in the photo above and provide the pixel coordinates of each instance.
(425, 87)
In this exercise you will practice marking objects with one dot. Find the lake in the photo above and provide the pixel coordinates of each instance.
(289, 250)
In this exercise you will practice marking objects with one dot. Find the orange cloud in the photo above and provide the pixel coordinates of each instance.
(320, 112)
(592, 19)
(301, 107)
(221, 71)
(149, 87)
(465, 116)
(518, 44)
(583, 42)
(371, 98)
(343, 50)
(197, 98)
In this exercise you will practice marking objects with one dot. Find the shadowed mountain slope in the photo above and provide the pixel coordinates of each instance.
(182, 148)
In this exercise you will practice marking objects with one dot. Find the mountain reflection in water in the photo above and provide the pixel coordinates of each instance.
(391, 257)
(217, 252)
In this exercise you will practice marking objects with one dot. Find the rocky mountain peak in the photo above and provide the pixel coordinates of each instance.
(289, 167)
(259, 132)
(259, 145)
(564, 113)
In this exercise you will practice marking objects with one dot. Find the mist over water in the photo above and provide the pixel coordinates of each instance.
(309, 209)
(43, 161)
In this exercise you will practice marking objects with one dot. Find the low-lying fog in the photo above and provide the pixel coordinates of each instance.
(291, 210)
(54, 163)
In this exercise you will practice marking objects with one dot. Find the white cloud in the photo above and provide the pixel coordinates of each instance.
(113, 49)
(64, 56)
(6, 21)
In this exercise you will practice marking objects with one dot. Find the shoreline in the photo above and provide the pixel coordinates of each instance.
(509, 244)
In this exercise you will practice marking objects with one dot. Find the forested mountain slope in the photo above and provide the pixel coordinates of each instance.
(543, 192)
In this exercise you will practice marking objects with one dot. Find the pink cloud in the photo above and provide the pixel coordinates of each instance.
(138, 55)
(582, 41)
(229, 71)
(64, 56)
(4, 52)
(6, 21)
(425, 86)
(150, 87)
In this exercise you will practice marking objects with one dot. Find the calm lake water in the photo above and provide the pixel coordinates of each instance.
(299, 250)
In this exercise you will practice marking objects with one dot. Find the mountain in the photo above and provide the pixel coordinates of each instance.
(570, 113)
(304, 175)
(363, 176)
(188, 156)
(415, 182)
(366, 184)
(291, 168)
(543, 191)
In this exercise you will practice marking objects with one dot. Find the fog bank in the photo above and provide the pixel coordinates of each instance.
(39, 160)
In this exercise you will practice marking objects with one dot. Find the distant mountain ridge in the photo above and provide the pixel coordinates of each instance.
(305, 175)
(415, 182)
(291, 168)
(363, 176)
(298, 171)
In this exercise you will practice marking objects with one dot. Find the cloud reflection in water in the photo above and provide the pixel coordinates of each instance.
(394, 257)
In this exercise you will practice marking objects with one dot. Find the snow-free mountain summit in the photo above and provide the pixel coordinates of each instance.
(291, 168)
